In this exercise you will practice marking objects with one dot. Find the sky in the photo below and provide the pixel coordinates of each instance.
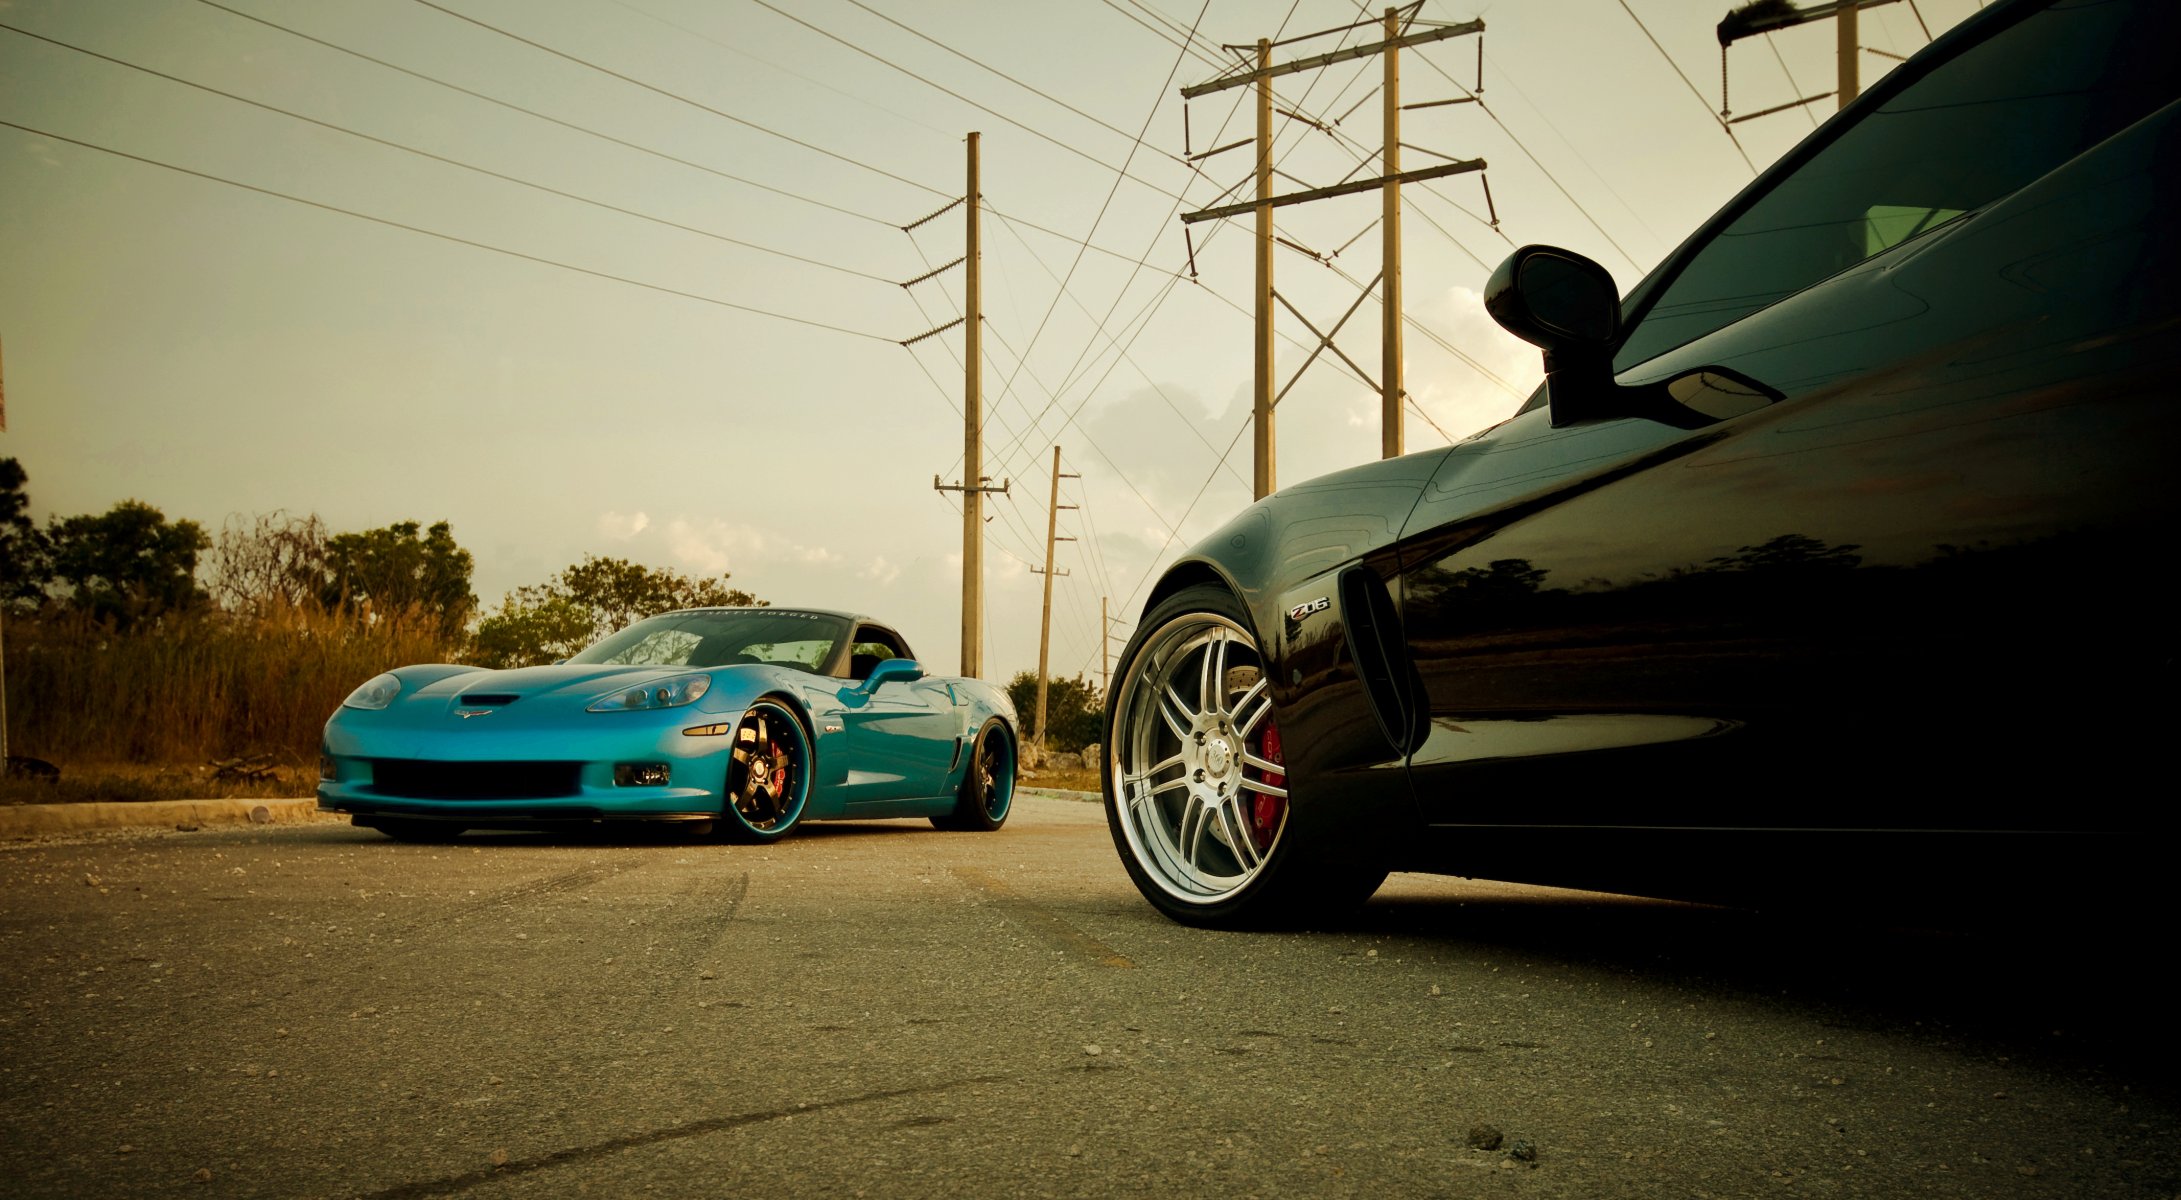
(624, 277)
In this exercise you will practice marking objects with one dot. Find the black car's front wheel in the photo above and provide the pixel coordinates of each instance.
(1195, 779)
(768, 775)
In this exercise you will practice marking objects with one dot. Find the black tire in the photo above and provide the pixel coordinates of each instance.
(988, 786)
(1196, 805)
(403, 829)
(768, 775)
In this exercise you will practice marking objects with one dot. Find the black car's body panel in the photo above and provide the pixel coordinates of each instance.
(1910, 608)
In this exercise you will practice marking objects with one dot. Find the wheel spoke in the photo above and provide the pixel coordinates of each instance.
(1194, 817)
(1176, 712)
(1263, 764)
(1259, 785)
(1253, 707)
(1215, 672)
(1238, 838)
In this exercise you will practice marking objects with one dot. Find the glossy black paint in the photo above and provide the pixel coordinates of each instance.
(1872, 573)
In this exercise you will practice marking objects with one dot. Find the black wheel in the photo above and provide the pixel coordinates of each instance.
(768, 775)
(408, 830)
(988, 790)
(1195, 781)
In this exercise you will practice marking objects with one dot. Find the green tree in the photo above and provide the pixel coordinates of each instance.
(127, 564)
(1073, 708)
(401, 572)
(23, 567)
(587, 601)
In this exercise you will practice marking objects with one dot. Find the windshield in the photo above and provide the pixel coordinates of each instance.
(722, 638)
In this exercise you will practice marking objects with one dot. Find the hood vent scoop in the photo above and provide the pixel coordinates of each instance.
(489, 699)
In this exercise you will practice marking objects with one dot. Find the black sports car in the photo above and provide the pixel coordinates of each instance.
(1828, 554)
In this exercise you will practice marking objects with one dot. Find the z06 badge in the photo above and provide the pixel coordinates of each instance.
(1300, 611)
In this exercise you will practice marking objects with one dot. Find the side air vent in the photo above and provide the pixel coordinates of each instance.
(489, 699)
(1381, 654)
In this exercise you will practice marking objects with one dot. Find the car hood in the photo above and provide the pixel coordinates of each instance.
(564, 680)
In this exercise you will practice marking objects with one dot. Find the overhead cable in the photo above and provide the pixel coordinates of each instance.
(445, 237)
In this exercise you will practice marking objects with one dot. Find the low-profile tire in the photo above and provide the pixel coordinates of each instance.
(1195, 783)
(768, 775)
(406, 830)
(988, 787)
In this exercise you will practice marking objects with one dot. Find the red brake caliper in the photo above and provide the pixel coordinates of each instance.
(779, 779)
(1265, 812)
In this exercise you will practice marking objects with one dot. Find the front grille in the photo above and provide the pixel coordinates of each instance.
(423, 779)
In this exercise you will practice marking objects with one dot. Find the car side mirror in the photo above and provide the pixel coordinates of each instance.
(1569, 307)
(904, 670)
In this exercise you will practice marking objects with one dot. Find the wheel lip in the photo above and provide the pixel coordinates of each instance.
(1130, 722)
(1004, 787)
(791, 818)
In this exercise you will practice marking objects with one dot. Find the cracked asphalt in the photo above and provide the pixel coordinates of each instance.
(886, 1010)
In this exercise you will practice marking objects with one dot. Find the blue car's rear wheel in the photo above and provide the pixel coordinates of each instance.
(768, 775)
(988, 790)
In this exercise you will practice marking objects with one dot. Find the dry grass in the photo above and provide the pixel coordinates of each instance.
(1078, 780)
(126, 782)
(192, 689)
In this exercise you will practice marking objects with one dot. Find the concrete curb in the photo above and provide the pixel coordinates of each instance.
(33, 820)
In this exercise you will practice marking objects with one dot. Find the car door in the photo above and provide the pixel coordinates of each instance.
(903, 736)
(1901, 584)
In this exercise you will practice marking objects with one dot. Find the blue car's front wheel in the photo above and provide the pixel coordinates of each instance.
(988, 788)
(768, 775)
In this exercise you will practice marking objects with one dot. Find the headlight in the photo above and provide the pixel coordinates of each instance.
(378, 693)
(666, 693)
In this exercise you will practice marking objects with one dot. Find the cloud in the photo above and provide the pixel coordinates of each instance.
(622, 526)
(882, 572)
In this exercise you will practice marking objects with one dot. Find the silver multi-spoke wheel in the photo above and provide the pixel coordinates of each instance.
(1198, 786)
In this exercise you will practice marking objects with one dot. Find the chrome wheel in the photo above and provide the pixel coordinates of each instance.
(1199, 790)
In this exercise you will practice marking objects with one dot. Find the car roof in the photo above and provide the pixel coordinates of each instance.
(761, 608)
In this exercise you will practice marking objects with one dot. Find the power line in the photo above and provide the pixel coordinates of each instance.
(1686, 83)
(654, 88)
(1033, 90)
(531, 112)
(452, 162)
(445, 237)
(1078, 151)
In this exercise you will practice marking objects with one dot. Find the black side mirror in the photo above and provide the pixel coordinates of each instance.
(1569, 307)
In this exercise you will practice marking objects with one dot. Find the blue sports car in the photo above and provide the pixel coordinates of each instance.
(744, 720)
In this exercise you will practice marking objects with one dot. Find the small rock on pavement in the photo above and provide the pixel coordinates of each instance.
(1094, 1050)
(203, 1175)
(261, 815)
(499, 1157)
(1522, 1151)
(1484, 1137)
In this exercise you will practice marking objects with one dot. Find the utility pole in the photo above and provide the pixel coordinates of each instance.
(1263, 445)
(1389, 371)
(975, 482)
(1045, 625)
(1265, 396)
(1751, 19)
(1105, 670)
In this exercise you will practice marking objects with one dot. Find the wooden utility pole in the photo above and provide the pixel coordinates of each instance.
(974, 481)
(1264, 446)
(1265, 394)
(1105, 661)
(1045, 624)
(972, 436)
(1389, 374)
(1848, 43)
(1749, 20)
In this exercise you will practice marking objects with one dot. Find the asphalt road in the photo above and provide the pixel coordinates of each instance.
(887, 1010)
